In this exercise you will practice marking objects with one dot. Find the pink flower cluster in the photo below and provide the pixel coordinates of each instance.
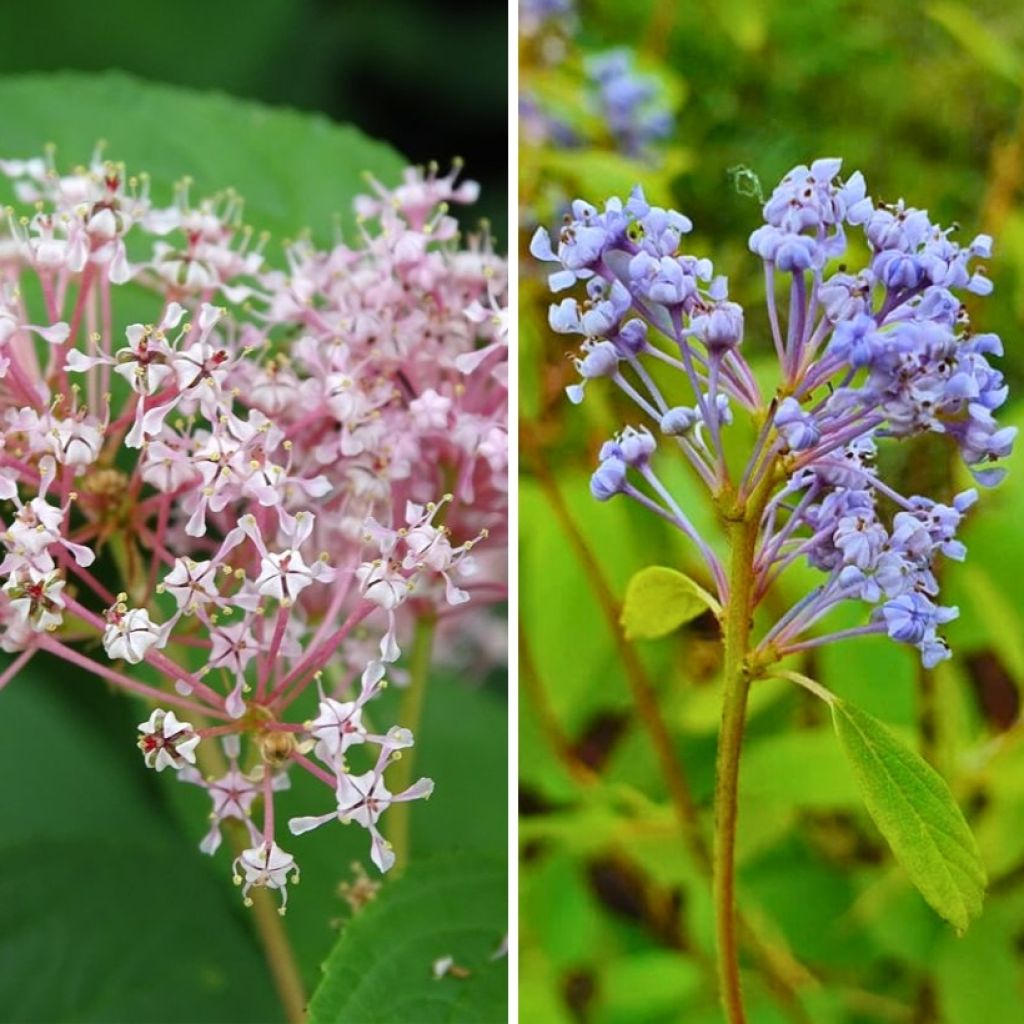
(259, 490)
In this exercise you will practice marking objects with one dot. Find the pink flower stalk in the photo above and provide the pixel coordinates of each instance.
(261, 489)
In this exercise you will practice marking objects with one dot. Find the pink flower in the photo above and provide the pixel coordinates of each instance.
(248, 479)
(364, 798)
(266, 865)
(167, 743)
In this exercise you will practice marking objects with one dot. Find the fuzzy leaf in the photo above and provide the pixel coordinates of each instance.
(915, 811)
(659, 600)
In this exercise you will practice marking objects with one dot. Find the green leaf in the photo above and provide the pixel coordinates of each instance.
(446, 746)
(107, 911)
(381, 969)
(658, 600)
(124, 927)
(294, 170)
(915, 811)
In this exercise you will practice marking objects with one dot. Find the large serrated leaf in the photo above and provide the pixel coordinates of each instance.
(915, 811)
(382, 968)
(658, 600)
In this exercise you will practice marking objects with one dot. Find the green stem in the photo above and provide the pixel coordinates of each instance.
(743, 539)
(268, 923)
(280, 956)
(409, 715)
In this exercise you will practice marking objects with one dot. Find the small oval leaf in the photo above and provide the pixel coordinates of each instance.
(915, 811)
(659, 600)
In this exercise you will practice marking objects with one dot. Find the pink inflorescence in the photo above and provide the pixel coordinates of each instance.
(260, 490)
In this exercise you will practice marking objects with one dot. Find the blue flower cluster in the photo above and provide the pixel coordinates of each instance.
(616, 104)
(630, 104)
(886, 564)
(865, 356)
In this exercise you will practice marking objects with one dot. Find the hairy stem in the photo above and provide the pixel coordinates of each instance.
(409, 716)
(743, 540)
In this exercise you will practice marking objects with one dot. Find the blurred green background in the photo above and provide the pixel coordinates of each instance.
(428, 77)
(928, 100)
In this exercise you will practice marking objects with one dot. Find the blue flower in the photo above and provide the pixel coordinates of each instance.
(857, 341)
(680, 420)
(661, 279)
(860, 540)
(565, 317)
(912, 618)
(722, 328)
(897, 227)
(798, 428)
(636, 446)
(633, 336)
(898, 269)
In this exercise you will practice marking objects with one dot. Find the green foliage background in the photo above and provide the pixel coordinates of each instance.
(428, 76)
(928, 100)
(108, 911)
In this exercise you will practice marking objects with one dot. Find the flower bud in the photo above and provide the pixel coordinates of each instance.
(722, 328)
(633, 336)
(679, 420)
(609, 479)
